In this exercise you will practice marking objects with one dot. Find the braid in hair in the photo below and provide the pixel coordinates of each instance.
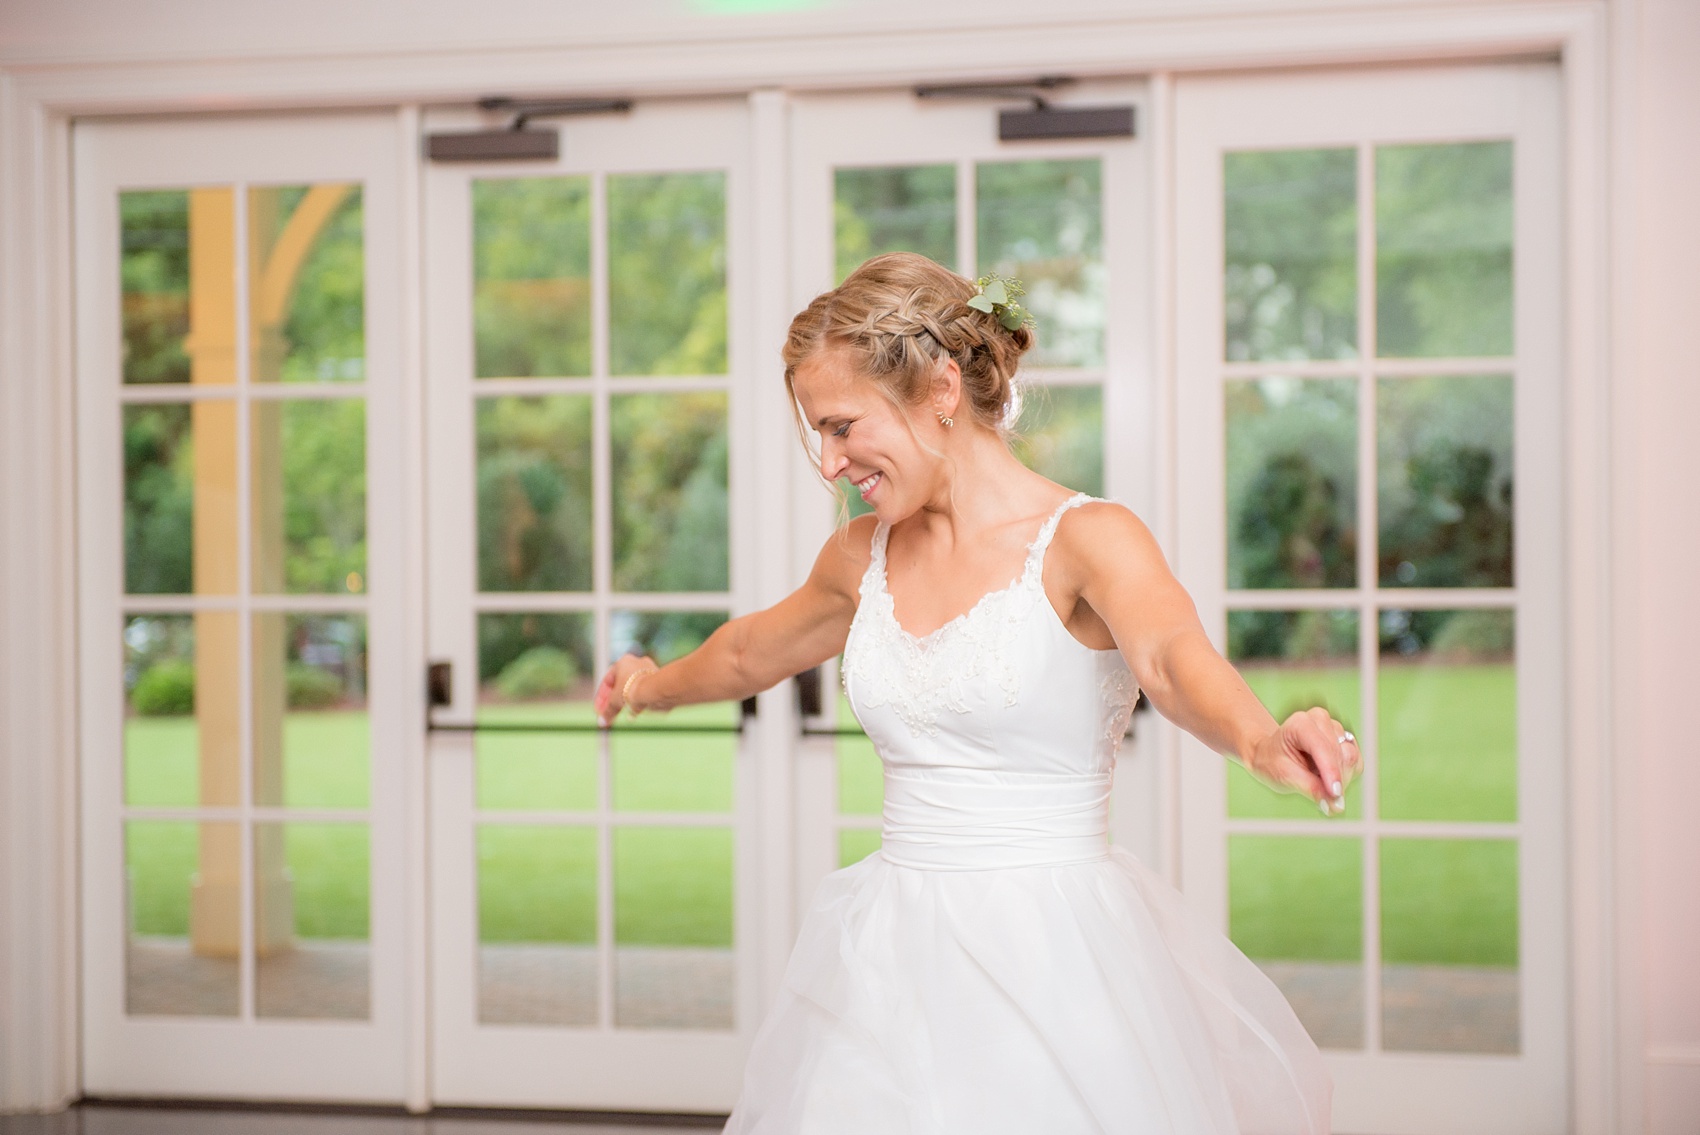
(901, 315)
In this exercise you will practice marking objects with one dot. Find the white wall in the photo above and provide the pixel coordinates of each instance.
(1659, 522)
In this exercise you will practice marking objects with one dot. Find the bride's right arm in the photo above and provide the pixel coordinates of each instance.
(753, 652)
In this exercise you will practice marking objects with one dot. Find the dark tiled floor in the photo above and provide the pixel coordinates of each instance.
(109, 1119)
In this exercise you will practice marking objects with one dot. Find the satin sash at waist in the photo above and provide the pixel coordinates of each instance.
(954, 819)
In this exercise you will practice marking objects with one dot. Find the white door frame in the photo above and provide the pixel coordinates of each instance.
(603, 1066)
(261, 1057)
(39, 712)
(1398, 1093)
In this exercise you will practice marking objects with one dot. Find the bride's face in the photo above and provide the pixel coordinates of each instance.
(864, 437)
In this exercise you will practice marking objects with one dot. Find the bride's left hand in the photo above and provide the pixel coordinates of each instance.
(1311, 753)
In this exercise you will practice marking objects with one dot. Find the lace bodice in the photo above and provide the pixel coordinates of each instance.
(1004, 686)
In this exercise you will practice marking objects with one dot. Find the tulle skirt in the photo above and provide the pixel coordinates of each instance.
(1056, 1000)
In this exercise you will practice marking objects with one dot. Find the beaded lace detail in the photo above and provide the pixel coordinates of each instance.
(1121, 694)
(921, 677)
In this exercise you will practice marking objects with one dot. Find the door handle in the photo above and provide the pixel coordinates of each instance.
(809, 700)
(439, 685)
(811, 703)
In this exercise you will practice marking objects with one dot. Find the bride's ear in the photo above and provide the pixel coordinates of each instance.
(945, 397)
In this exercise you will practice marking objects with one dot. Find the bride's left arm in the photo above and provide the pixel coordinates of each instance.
(1117, 568)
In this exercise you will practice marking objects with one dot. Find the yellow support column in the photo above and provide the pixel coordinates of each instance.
(274, 901)
(215, 909)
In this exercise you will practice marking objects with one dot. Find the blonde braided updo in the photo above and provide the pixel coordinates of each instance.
(901, 315)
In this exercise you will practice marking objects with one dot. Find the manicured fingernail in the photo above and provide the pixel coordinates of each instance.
(1335, 788)
(1322, 806)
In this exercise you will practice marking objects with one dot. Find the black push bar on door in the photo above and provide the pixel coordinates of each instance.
(439, 687)
(439, 692)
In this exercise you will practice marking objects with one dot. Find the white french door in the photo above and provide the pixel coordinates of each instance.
(888, 171)
(594, 896)
(1367, 342)
(1370, 433)
(249, 713)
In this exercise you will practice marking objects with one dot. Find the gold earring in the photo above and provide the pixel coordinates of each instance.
(947, 422)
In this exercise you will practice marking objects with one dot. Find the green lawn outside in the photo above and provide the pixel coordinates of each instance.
(1448, 751)
(1291, 897)
(330, 864)
(861, 781)
(1296, 897)
(324, 761)
(1449, 902)
(1449, 742)
(672, 886)
(1448, 739)
(161, 857)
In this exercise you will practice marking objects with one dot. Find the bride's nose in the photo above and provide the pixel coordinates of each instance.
(832, 459)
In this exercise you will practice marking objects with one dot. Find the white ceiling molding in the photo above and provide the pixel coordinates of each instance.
(812, 61)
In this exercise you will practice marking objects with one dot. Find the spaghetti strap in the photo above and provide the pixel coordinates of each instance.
(1048, 531)
(873, 576)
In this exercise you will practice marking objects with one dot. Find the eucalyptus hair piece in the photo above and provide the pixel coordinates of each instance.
(997, 296)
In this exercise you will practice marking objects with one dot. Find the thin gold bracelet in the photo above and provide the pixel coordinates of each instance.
(626, 690)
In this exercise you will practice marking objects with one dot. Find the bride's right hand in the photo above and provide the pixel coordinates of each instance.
(610, 692)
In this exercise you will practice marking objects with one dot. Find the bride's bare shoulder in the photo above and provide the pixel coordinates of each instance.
(844, 558)
(1101, 516)
(1100, 534)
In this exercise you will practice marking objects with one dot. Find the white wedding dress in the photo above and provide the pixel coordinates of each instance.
(998, 967)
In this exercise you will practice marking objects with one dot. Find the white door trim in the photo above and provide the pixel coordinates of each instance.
(772, 468)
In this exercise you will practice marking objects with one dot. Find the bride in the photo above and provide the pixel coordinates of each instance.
(998, 966)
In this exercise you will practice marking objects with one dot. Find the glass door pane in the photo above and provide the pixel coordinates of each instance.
(302, 528)
(584, 394)
(242, 391)
(547, 465)
(1444, 746)
(1361, 524)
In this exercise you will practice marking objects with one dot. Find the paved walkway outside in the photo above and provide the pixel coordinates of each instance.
(316, 979)
(518, 984)
(654, 987)
(1423, 1008)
